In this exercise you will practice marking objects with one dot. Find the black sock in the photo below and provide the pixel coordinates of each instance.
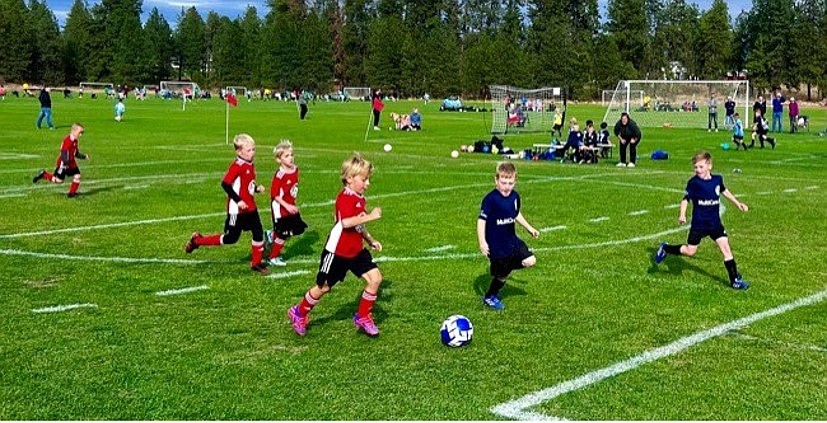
(672, 249)
(496, 286)
(731, 269)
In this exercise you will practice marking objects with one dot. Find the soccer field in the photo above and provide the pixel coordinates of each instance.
(106, 317)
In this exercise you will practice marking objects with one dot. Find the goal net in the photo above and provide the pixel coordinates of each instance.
(96, 87)
(357, 93)
(237, 90)
(679, 104)
(185, 91)
(608, 94)
(524, 110)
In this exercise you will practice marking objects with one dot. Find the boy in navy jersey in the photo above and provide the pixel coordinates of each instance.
(284, 189)
(497, 236)
(344, 250)
(242, 215)
(704, 190)
(67, 164)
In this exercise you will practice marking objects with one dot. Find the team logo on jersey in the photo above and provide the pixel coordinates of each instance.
(251, 187)
(294, 191)
(508, 221)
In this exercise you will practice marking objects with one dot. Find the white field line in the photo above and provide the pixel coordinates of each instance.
(287, 274)
(811, 187)
(58, 309)
(638, 212)
(380, 259)
(12, 195)
(671, 206)
(553, 228)
(15, 156)
(599, 219)
(518, 409)
(790, 190)
(179, 218)
(130, 187)
(440, 248)
(129, 164)
(181, 291)
(764, 193)
(111, 181)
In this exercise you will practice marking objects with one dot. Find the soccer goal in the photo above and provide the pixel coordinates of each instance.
(361, 93)
(96, 88)
(237, 90)
(609, 94)
(678, 104)
(524, 110)
(184, 90)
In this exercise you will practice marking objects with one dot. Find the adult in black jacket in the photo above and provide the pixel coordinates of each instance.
(45, 108)
(628, 135)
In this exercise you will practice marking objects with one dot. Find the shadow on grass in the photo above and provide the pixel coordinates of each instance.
(483, 281)
(346, 311)
(677, 265)
(302, 245)
(95, 191)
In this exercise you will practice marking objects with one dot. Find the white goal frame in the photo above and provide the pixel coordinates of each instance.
(537, 112)
(237, 90)
(668, 97)
(92, 87)
(194, 90)
(607, 95)
(357, 92)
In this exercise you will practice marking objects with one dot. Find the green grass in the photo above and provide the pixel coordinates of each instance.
(594, 299)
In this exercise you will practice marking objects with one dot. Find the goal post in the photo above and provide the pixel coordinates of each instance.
(184, 90)
(607, 95)
(361, 93)
(524, 110)
(237, 90)
(679, 103)
(96, 87)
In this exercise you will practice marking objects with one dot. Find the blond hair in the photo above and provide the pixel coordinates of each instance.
(506, 169)
(701, 156)
(282, 147)
(242, 140)
(354, 166)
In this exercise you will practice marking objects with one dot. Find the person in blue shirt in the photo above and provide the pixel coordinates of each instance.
(777, 112)
(496, 233)
(738, 132)
(416, 120)
(704, 190)
(120, 109)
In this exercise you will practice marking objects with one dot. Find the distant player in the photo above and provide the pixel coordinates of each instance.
(344, 250)
(497, 236)
(242, 215)
(67, 164)
(283, 192)
(738, 132)
(120, 109)
(704, 190)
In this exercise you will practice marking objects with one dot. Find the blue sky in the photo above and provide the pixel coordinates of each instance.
(232, 8)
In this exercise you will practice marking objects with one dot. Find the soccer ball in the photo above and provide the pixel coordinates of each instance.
(456, 331)
(118, 118)
(388, 148)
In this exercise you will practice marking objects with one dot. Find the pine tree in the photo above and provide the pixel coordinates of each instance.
(48, 55)
(161, 49)
(16, 33)
(76, 39)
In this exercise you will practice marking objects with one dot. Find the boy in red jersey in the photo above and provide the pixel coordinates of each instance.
(67, 164)
(283, 192)
(344, 250)
(242, 215)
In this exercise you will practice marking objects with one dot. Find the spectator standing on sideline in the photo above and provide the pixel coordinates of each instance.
(729, 107)
(378, 105)
(713, 114)
(777, 112)
(628, 134)
(761, 105)
(45, 108)
(793, 106)
(302, 99)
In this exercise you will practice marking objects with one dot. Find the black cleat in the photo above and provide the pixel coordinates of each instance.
(191, 244)
(39, 176)
(260, 268)
(72, 195)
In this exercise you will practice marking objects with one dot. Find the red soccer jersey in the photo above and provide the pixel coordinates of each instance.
(70, 147)
(286, 186)
(242, 177)
(346, 242)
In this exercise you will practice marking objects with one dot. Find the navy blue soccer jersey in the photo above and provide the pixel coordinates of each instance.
(705, 196)
(499, 214)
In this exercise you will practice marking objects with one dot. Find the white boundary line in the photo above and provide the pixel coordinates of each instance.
(58, 309)
(287, 274)
(440, 248)
(181, 291)
(553, 228)
(599, 219)
(517, 409)
(638, 212)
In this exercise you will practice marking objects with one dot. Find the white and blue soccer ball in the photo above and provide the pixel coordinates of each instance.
(456, 331)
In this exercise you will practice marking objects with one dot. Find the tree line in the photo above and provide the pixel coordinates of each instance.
(441, 47)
